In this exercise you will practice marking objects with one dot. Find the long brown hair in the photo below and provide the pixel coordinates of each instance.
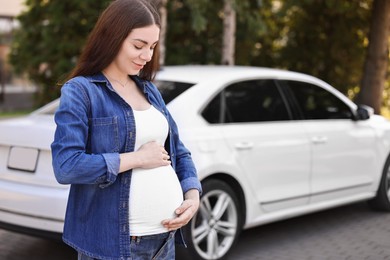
(111, 29)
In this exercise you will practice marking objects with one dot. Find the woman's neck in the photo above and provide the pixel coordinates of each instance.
(115, 75)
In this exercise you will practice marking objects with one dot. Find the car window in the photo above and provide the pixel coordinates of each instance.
(247, 101)
(171, 89)
(318, 103)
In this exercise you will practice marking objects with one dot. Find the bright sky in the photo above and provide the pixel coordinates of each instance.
(11, 7)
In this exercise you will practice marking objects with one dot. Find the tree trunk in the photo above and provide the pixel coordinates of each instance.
(376, 63)
(162, 8)
(229, 33)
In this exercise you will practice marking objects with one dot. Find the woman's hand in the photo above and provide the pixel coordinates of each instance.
(152, 155)
(185, 212)
(149, 155)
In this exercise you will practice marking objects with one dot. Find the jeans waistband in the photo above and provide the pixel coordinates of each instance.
(154, 236)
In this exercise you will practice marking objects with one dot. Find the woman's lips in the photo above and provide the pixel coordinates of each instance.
(139, 66)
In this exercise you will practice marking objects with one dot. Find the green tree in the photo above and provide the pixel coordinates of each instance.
(195, 33)
(50, 38)
(324, 38)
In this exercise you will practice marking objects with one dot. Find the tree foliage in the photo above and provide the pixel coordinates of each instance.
(50, 39)
(195, 30)
(324, 38)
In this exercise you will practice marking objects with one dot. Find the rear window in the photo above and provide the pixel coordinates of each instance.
(171, 89)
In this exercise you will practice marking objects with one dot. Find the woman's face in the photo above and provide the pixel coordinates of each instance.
(137, 49)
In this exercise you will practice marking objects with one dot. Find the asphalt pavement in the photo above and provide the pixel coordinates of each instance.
(353, 232)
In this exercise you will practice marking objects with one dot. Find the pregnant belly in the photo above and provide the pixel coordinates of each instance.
(155, 194)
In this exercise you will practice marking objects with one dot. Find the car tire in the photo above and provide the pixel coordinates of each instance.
(214, 229)
(382, 198)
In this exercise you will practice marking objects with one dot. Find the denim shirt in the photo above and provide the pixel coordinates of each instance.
(95, 125)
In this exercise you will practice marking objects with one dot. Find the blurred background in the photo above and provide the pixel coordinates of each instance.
(345, 43)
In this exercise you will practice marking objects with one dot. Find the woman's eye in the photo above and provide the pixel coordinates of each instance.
(137, 47)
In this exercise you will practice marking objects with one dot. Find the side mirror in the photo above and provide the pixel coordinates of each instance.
(364, 112)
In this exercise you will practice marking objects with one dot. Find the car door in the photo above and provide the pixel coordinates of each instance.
(342, 148)
(272, 150)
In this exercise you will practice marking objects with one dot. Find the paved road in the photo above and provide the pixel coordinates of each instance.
(347, 233)
(15, 246)
(352, 232)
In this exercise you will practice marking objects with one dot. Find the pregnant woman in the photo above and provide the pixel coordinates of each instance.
(133, 182)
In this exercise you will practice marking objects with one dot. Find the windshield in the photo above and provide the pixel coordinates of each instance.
(171, 89)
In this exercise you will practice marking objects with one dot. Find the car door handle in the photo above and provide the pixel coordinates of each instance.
(319, 139)
(244, 145)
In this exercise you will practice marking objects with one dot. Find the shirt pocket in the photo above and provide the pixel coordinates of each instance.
(104, 135)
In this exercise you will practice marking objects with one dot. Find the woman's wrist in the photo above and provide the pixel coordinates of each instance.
(128, 161)
(192, 194)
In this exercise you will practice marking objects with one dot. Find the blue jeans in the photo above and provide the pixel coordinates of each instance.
(158, 247)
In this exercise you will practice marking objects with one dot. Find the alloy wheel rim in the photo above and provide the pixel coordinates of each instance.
(215, 225)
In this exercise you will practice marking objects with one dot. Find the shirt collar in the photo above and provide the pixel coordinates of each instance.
(100, 78)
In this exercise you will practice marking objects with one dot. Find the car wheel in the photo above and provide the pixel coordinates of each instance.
(382, 199)
(215, 227)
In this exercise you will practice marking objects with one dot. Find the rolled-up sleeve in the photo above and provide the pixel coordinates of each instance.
(71, 163)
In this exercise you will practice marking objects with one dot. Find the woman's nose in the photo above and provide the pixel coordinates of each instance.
(147, 55)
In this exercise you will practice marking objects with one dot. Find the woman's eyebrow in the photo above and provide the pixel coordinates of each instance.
(143, 41)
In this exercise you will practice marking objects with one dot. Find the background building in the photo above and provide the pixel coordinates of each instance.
(16, 92)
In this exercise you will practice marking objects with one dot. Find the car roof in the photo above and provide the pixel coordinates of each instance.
(206, 75)
(198, 73)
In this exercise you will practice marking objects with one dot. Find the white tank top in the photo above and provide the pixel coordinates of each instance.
(154, 193)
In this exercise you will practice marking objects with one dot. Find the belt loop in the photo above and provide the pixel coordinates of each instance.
(137, 239)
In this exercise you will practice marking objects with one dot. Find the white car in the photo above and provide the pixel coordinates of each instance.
(268, 145)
